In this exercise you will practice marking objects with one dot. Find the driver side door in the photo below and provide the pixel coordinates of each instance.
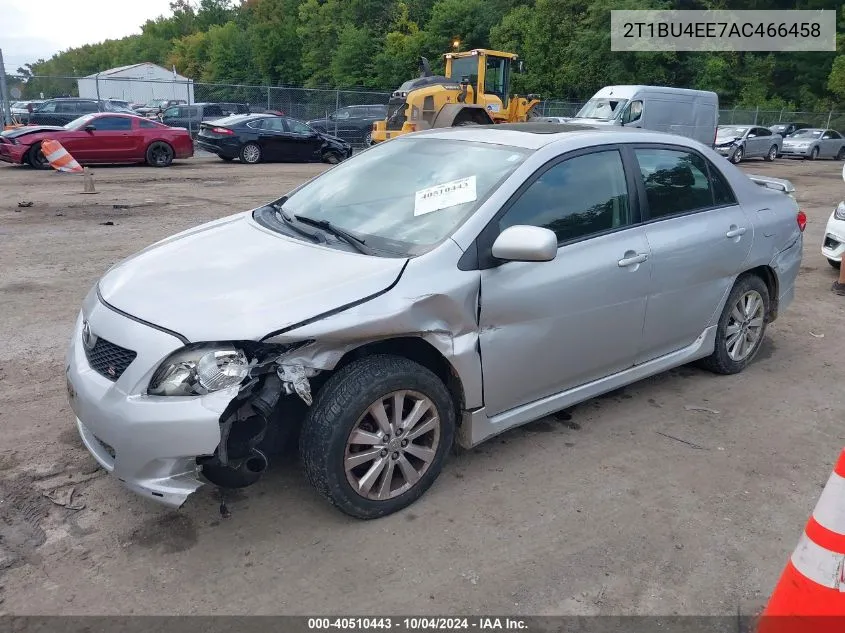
(547, 327)
(304, 142)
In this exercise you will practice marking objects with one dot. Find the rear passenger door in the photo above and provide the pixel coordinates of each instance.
(830, 144)
(700, 239)
(764, 140)
(579, 317)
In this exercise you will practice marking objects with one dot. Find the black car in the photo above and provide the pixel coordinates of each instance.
(785, 129)
(254, 138)
(352, 123)
(63, 111)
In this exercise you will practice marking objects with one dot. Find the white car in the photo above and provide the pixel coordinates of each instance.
(833, 246)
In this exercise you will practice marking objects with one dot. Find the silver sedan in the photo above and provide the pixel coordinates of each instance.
(443, 287)
(815, 143)
(738, 142)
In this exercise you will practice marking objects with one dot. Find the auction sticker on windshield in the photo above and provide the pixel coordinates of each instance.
(449, 194)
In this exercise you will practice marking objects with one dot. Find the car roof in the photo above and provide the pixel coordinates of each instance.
(536, 135)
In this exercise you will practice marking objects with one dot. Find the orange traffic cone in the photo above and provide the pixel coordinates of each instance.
(810, 595)
(58, 157)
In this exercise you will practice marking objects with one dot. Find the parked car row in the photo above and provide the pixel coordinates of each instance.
(738, 142)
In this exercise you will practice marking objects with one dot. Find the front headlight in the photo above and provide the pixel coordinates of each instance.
(196, 371)
(839, 214)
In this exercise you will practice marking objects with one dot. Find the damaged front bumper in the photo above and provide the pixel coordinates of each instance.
(150, 443)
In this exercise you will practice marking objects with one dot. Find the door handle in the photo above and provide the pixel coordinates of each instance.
(735, 231)
(633, 259)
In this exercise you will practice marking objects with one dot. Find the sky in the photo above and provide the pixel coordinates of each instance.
(32, 29)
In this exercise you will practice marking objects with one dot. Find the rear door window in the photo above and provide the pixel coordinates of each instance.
(86, 107)
(676, 181)
(214, 110)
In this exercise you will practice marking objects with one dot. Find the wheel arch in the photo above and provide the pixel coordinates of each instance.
(770, 278)
(420, 351)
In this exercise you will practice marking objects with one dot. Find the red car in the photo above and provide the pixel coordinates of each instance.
(100, 138)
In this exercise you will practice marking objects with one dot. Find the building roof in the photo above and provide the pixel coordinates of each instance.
(120, 69)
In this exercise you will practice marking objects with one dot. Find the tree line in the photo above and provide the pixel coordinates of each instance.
(376, 44)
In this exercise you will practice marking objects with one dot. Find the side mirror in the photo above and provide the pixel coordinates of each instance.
(520, 66)
(90, 127)
(523, 243)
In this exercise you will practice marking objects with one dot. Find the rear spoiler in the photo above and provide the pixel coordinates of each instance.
(774, 183)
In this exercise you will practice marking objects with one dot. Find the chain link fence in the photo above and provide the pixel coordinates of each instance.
(316, 103)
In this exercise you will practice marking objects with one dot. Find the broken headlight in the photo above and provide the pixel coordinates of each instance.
(199, 370)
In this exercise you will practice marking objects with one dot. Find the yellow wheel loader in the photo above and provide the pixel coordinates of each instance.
(474, 91)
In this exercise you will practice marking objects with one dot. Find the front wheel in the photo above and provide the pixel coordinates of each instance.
(837, 265)
(741, 327)
(814, 154)
(377, 434)
(332, 158)
(35, 157)
(368, 139)
(736, 157)
(159, 154)
(773, 152)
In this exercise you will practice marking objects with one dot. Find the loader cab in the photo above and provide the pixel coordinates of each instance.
(487, 73)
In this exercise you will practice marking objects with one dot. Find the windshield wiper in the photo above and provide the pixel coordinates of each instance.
(356, 242)
(288, 221)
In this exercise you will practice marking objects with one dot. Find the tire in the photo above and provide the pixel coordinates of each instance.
(36, 159)
(159, 154)
(467, 122)
(773, 152)
(368, 139)
(332, 158)
(228, 159)
(814, 155)
(841, 154)
(736, 157)
(835, 264)
(721, 361)
(251, 154)
(343, 406)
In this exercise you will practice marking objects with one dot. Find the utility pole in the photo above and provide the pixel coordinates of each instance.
(4, 93)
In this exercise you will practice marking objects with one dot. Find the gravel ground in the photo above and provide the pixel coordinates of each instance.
(595, 511)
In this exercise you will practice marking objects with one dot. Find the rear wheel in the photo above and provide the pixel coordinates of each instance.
(841, 154)
(368, 139)
(773, 152)
(465, 122)
(35, 157)
(251, 153)
(159, 154)
(741, 327)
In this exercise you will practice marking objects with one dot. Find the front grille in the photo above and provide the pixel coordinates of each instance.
(109, 359)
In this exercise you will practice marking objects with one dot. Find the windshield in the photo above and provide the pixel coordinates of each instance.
(605, 109)
(806, 134)
(402, 197)
(81, 122)
(730, 131)
(465, 68)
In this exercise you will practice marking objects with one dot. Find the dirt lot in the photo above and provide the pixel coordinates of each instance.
(597, 512)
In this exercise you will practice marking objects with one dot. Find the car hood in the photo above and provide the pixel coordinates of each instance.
(798, 141)
(721, 140)
(32, 129)
(332, 139)
(231, 279)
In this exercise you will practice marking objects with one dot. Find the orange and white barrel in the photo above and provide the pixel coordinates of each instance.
(58, 157)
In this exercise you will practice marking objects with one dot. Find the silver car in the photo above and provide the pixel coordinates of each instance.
(815, 143)
(444, 286)
(738, 142)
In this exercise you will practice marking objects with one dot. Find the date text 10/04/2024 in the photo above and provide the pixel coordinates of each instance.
(419, 624)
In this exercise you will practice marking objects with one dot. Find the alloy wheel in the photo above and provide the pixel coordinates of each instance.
(745, 326)
(251, 153)
(392, 445)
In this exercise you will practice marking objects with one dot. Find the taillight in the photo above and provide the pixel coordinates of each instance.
(802, 221)
(222, 130)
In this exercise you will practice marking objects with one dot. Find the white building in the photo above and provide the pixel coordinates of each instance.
(137, 83)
